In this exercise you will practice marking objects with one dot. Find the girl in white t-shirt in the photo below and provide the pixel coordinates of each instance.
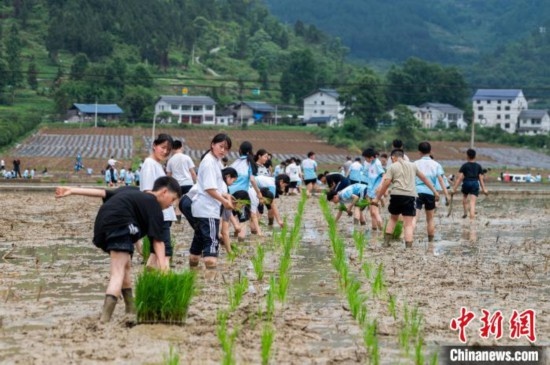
(150, 171)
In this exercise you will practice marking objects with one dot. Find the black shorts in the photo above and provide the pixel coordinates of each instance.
(185, 189)
(310, 181)
(426, 200)
(205, 240)
(166, 238)
(121, 239)
(293, 185)
(470, 187)
(402, 204)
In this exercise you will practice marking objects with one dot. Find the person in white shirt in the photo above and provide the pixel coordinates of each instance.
(294, 172)
(202, 205)
(150, 171)
(181, 167)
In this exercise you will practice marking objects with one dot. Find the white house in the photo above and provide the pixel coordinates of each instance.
(436, 113)
(188, 109)
(323, 107)
(498, 107)
(533, 122)
(251, 112)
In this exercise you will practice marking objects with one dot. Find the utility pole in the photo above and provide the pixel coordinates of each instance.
(473, 131)
(95, 118)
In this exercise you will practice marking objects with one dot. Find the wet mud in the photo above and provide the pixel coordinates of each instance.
(52, 282)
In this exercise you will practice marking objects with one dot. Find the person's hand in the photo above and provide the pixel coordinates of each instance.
(62, 191)
(485, 192)
(436, 196)
(374, 201)
(447, 200)
(281, 224)
(228, 204)
(349, 211)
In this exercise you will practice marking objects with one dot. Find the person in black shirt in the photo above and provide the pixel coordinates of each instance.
(471, 176)
(126, 216)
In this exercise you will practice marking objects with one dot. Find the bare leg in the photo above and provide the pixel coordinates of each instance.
(408, 230)
(430, 223)
(226, 241)
(465, 205)
(119, 273)
(473, 200)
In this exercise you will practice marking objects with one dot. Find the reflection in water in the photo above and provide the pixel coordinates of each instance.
(469, 233)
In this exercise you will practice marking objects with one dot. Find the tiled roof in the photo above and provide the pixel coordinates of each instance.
(101, 108)
(187, 100)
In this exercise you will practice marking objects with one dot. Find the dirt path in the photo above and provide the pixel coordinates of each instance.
(51, 287)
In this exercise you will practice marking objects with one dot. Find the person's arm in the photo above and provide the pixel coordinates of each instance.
(459, 179)
(256, 188)
(426, 181)
(227, 203)
(482, 184)
(443, 187)
(63, 191)
(338, 215)
(159, 248)
(354, 199)
(193, 174)
(381, 191)
(276, 214)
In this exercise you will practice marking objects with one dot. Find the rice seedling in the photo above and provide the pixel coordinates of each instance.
(397, 231)
(268, 335)
(145, 248)
(418, 353)
(173, 358)
(282, 287)
(392, 306)
(356, 301)
(227, 340)
(258, 262)
(362, 203)
(270, 299)
(163, 297)
(370, 338)
(367, 269)
(236, 292)
(378, 285)
(434, 359)
(359, 240)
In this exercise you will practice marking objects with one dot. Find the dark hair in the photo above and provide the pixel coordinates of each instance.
(424, 147)
(358, 159)
(167, 182)
(397, 153)
(229, 171)
(242, 195)
(163, 137)
(310, 153)
(471, 153)
(331, 194)
(259, 153)
(267, 195)
(397, 143)
(245, 149)
(369, 152)
(385, 155)
(281, 177)
(221, 137)
(177, 144)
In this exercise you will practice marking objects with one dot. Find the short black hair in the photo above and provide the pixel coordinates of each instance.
(369, 152)
(310, 153)
(177, 144)
(471, 153)
(331, 194)
(424, 147)
(167, 182)
(229, 171)
(397, 143)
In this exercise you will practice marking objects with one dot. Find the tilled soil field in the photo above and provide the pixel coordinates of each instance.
(52, 281)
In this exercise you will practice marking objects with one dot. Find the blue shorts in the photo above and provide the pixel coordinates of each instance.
(205, 240)
(470, 187)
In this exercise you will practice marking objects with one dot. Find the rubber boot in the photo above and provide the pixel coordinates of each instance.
(387, 239)
(128, 300)
(408, 244)
(269, 221)
(108, 308)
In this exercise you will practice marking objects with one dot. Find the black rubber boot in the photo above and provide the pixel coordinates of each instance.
(108, 308)
(129, 300)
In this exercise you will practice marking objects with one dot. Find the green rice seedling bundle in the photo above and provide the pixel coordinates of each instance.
(370, 338)
(163, 297)
(282, 287)
(173, 358)
(356, 301)
(258, 262)
(270, 298)
(342, 207)
(145, 248)
(362, 203)
(268, 335)
(236, 292)
(397, 231)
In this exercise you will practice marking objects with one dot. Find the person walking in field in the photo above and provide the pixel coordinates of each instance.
(471, 177)
(182, 168)
(426, 199)
(401, 174)
(126, 216)
(309, 167)
(374, 173)
(151, 170)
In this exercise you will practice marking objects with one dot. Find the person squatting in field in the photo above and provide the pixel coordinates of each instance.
(151, 170)
(351, 201)
(126, 216)
(203, 209)
(401, 174)
(272, 188)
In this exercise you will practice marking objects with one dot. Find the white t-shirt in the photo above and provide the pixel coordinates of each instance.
(150, 171)
(179, 165)
(209, 177)
(294, 172)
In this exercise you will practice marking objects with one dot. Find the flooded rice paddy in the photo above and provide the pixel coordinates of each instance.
(52, 282)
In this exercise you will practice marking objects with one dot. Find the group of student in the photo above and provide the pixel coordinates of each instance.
(211, 198)
(412, 186)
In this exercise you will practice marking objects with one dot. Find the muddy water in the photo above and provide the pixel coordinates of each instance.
(52, 282)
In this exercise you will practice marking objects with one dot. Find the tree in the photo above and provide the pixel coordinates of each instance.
(141, 76)
(13, 57)
(365, 99)
(406, 125)
(300, 76)
(32, 75)
(79, 67)
(136, 101)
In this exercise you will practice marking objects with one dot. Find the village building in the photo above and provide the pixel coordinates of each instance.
(323, 108)
(187, 109)
(80, 113)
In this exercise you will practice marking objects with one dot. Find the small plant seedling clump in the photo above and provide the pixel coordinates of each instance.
(164, 297)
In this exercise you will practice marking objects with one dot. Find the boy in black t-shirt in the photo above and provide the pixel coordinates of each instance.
(471, 176)
(126, 216)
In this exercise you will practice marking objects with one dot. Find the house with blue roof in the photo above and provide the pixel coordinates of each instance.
(499, 108)
(88, 112)
(254, 112)
(322, 107)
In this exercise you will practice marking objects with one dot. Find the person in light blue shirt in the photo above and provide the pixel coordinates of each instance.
(434, 173)
(374, 173)
(355, 171)
(350, 196)
(309, 169)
